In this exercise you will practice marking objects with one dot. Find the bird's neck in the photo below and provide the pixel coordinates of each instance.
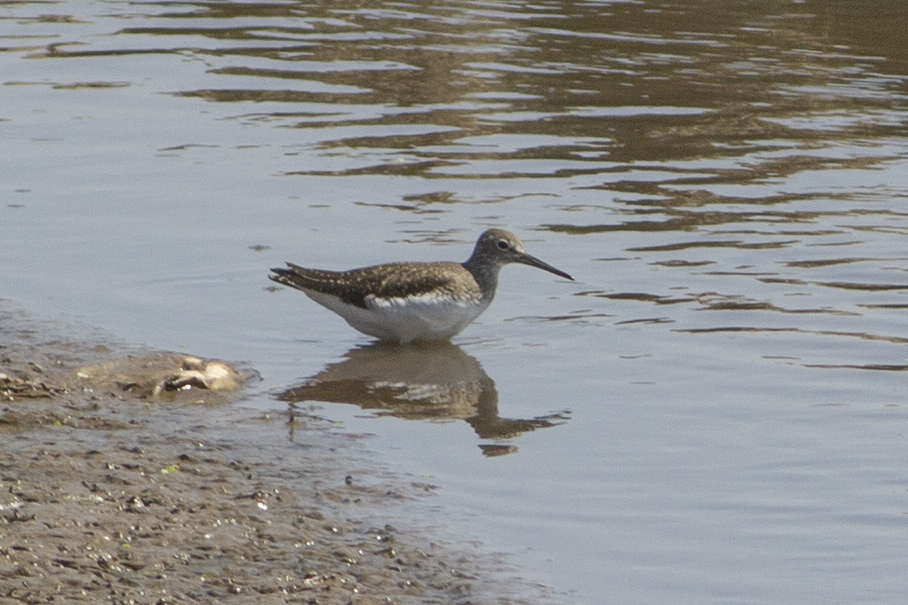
(485, 274)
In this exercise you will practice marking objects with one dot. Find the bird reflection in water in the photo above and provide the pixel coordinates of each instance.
(434, 380)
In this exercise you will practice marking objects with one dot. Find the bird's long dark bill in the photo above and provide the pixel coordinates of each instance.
(532, 261)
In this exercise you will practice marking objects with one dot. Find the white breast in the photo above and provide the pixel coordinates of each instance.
(426, 317)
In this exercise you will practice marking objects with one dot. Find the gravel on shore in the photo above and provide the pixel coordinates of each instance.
(119, 486)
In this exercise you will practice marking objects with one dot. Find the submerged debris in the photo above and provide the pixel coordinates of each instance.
(161, 375)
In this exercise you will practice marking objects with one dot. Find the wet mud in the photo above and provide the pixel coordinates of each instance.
(128, 479)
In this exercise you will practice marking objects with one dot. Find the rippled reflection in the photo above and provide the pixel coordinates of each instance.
(423, 381)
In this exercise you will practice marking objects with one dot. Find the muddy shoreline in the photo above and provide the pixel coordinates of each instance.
(109, 492)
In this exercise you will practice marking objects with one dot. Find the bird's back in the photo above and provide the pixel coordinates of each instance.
(389, 281)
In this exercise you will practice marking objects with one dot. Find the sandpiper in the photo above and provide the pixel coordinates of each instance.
(416, 300)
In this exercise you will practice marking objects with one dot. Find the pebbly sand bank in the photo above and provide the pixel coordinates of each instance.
(132, 476)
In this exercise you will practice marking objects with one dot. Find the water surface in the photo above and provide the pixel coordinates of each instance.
(713, 413)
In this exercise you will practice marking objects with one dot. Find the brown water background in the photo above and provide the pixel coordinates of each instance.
(715, 411)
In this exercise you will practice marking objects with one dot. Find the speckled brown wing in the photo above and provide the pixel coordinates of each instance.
(400, 280)
(393, 280)
(318, 280)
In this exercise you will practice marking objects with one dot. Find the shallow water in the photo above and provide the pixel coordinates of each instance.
(713, 413)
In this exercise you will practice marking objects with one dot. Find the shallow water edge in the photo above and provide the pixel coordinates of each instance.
(110, 493)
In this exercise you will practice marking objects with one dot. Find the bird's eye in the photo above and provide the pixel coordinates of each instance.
(503, 244)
